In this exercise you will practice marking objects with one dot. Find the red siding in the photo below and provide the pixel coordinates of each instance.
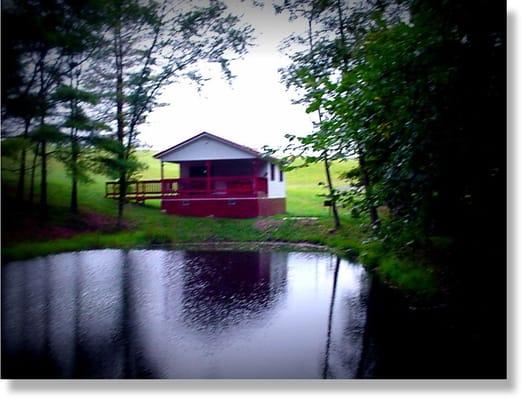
(228, 208)
(268, 206)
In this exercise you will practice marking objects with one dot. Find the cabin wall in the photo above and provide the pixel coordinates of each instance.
(225, 208)
(275, 187)
(205, 149)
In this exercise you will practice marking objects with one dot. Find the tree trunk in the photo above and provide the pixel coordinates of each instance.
(336, 218)
(375, 222)
(122, 184)
(33, 171)
(21, 178)
(74, 195)
(74, 175)
(43, 178)
(20, 189)
(74, 147)
(43, 181)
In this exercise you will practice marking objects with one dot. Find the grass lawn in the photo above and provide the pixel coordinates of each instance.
(148, 226)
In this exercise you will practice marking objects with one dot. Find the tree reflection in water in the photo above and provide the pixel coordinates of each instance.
(176, 314)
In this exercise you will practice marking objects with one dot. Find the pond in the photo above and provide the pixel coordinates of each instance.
(184, 314)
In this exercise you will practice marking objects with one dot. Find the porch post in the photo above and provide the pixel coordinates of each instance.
(208, 176)
(253, 176)
(161, 178)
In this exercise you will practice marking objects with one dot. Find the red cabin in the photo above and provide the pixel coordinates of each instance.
(218, 178)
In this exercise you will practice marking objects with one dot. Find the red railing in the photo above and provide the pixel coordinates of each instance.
(212, 187)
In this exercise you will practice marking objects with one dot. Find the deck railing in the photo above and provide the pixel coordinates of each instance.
(212, 187)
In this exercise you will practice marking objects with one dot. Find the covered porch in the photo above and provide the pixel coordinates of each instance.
(200, 179)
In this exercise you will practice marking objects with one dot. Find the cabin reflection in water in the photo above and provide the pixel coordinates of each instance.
(176, 314)
(221, 291)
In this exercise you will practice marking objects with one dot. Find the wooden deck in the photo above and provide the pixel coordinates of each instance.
(190, 188)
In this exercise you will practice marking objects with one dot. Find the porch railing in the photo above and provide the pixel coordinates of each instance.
(212, 187)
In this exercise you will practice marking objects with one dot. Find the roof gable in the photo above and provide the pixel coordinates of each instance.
(206, 146)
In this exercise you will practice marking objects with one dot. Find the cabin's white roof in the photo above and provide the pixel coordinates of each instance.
(206, 146)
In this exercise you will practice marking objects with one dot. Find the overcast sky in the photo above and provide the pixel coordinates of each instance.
(255, 110)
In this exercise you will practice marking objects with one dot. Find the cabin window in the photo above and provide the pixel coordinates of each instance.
(272, 172)
(281, 176)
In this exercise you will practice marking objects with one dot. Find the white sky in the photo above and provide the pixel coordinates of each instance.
(255, 110)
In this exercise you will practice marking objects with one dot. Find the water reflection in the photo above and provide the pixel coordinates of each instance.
(176, 314)
(221, 292)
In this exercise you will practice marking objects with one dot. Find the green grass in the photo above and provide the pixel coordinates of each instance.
(407, 275)
(149, 226)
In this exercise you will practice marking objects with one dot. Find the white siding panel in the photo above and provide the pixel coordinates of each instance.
(205, 149)
(275, 188)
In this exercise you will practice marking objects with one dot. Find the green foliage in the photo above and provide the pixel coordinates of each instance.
(48, 132)
(67, 93)
(408, 275)
(132, 50)
(111, 165)
(394, 82)
(44, 40)
(12, 147)
(147, 46)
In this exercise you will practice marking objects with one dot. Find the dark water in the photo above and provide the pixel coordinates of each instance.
(182, 314)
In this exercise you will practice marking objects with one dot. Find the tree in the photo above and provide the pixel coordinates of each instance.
(317, 69)
(149, 45)
(41, 36)
(319, 146)
(20, 105)
(73, 152)
(407, 100)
